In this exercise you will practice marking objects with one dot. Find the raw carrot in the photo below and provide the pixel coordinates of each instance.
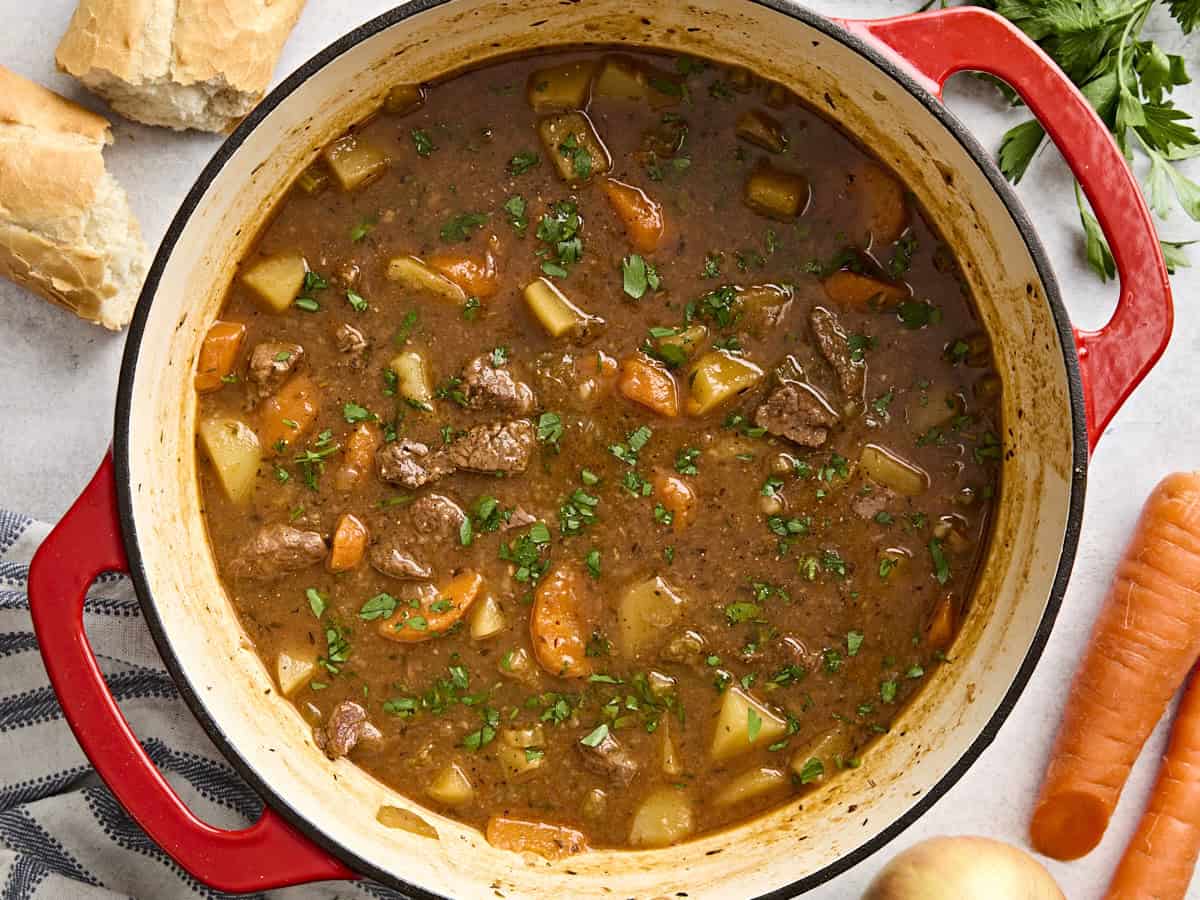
(218, 353)
(1160, 859)
(649, 384)
(642, 217)
(348, 545)
(1142, 645)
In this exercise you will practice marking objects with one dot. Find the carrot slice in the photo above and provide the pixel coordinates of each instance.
(349, 544)
(357, 456)
(649, 384)
(863, 292)
(677, 496)
(940, 630)
(217, 355)
(436, 613)
(556, 624)
(641, 216)
(478, 277)
(1161, 857)
(532, 836)
(1143, 643)
(286, 416)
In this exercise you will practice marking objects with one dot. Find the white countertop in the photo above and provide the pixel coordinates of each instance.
(58, 381)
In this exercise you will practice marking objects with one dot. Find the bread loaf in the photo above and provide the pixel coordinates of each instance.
(66, 230)
(178, 63)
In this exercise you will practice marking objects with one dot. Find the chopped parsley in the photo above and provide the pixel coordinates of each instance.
(522, 162)
(462, 226)
(638, 276)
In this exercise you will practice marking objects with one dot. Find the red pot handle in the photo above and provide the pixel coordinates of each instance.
(932, 47)
(268, 854)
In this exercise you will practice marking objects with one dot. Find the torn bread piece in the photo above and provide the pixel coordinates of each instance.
(66, 229)
(178, 63)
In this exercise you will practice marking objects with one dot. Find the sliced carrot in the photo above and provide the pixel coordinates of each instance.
(940, 630)
(677, 496)
(641, 216)
(1161, 857)
(349, 544)
(649, 384)
(478, 277)
(436, 613)
(218, 354)
(1143, 643)
(884, 211)
(532, 836)
(556, 624)
(288, 414)
(863, 292)
(358, 456)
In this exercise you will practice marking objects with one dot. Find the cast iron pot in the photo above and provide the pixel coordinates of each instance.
(881, 81)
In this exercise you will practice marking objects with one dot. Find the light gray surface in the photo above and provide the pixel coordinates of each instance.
(58, 379)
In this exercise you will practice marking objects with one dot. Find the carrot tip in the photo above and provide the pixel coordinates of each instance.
(1068, 825)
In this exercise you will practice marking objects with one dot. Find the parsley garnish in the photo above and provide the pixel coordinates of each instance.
(423, 142)
(462, 226)
(522, 162)
(638, 276)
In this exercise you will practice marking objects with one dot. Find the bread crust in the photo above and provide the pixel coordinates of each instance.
(180, 63)
(66, 231)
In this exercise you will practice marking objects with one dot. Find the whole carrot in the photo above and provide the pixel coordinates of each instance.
(1144, 642)
(1159, 860)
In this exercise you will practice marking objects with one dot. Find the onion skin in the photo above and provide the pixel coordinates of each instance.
(953, 868)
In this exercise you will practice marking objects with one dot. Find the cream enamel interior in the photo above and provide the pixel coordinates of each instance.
(933, 734)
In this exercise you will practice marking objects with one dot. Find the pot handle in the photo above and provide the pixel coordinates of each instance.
(87, 542)
(933, 46)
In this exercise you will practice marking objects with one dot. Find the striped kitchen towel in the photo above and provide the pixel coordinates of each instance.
(62, 835)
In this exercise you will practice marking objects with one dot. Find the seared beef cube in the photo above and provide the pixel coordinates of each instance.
(610, 759)
(350, 340)
(271, 362)
(795, 412)
(346, 726)
(411, 464)
(388, 556)
(436, 515)
(494, 388)
(498, 447)
(276, 550)
(835, 347)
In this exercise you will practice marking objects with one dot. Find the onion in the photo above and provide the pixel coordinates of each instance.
(952, 868)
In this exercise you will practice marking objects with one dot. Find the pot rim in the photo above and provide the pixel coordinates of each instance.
(396, 16)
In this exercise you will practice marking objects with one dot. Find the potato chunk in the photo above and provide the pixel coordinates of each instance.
(277, 280)
(719, 376)
(412, 274)
(644, 613)
(571, 143)
(412, 378)
(744, 723)
(488, 619)
(234, 450)
(520, 752)
(774, 193)
(822, 757)
(882, 203)
(750, 784)
(354, 162)
(294, 668)
(402, 99)
(560, 88)
(452, 786)
(405, 820)
(558, 315)
(663, 818)
(891, 471)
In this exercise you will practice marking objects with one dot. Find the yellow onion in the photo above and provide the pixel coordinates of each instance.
(954, 868)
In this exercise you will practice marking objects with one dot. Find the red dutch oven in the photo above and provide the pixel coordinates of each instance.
(881, 82)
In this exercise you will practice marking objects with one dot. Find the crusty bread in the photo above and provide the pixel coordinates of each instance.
(66, 230)
(179, 63)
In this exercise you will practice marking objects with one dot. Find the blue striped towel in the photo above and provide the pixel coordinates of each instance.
(62, 835)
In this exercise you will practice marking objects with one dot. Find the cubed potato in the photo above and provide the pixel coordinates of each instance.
(558, 315)
(621, 78)
(354, 162)
(571, 143)
(644, 612)
(560, 88)
(934, 408)
(859, 291)
(528, 835)
(488, 619)
(402, 99)
(891, 471)
(664, 817)
(717, 377)
(775, 193)
(831, 750)
(234, 450)
(744, 723)
(294, 668)
(405, 820)
(689, 340)
(882, 203)
(412, 377)
(762, 130)
(521, 753)
(763, 306)
(413, 275)
(314, 179)
(452, 786)
(277, 280)
(751, 784)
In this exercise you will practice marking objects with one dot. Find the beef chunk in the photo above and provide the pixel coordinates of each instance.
(435, 515)
(610, 759)
(276, 550)
(518, 518)
(835, 347)
(350, 340)
(411, 464)
(795, 412)
(346, 726)
(494, 388)
(388, 556)
(270, 364)
(497, 447)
